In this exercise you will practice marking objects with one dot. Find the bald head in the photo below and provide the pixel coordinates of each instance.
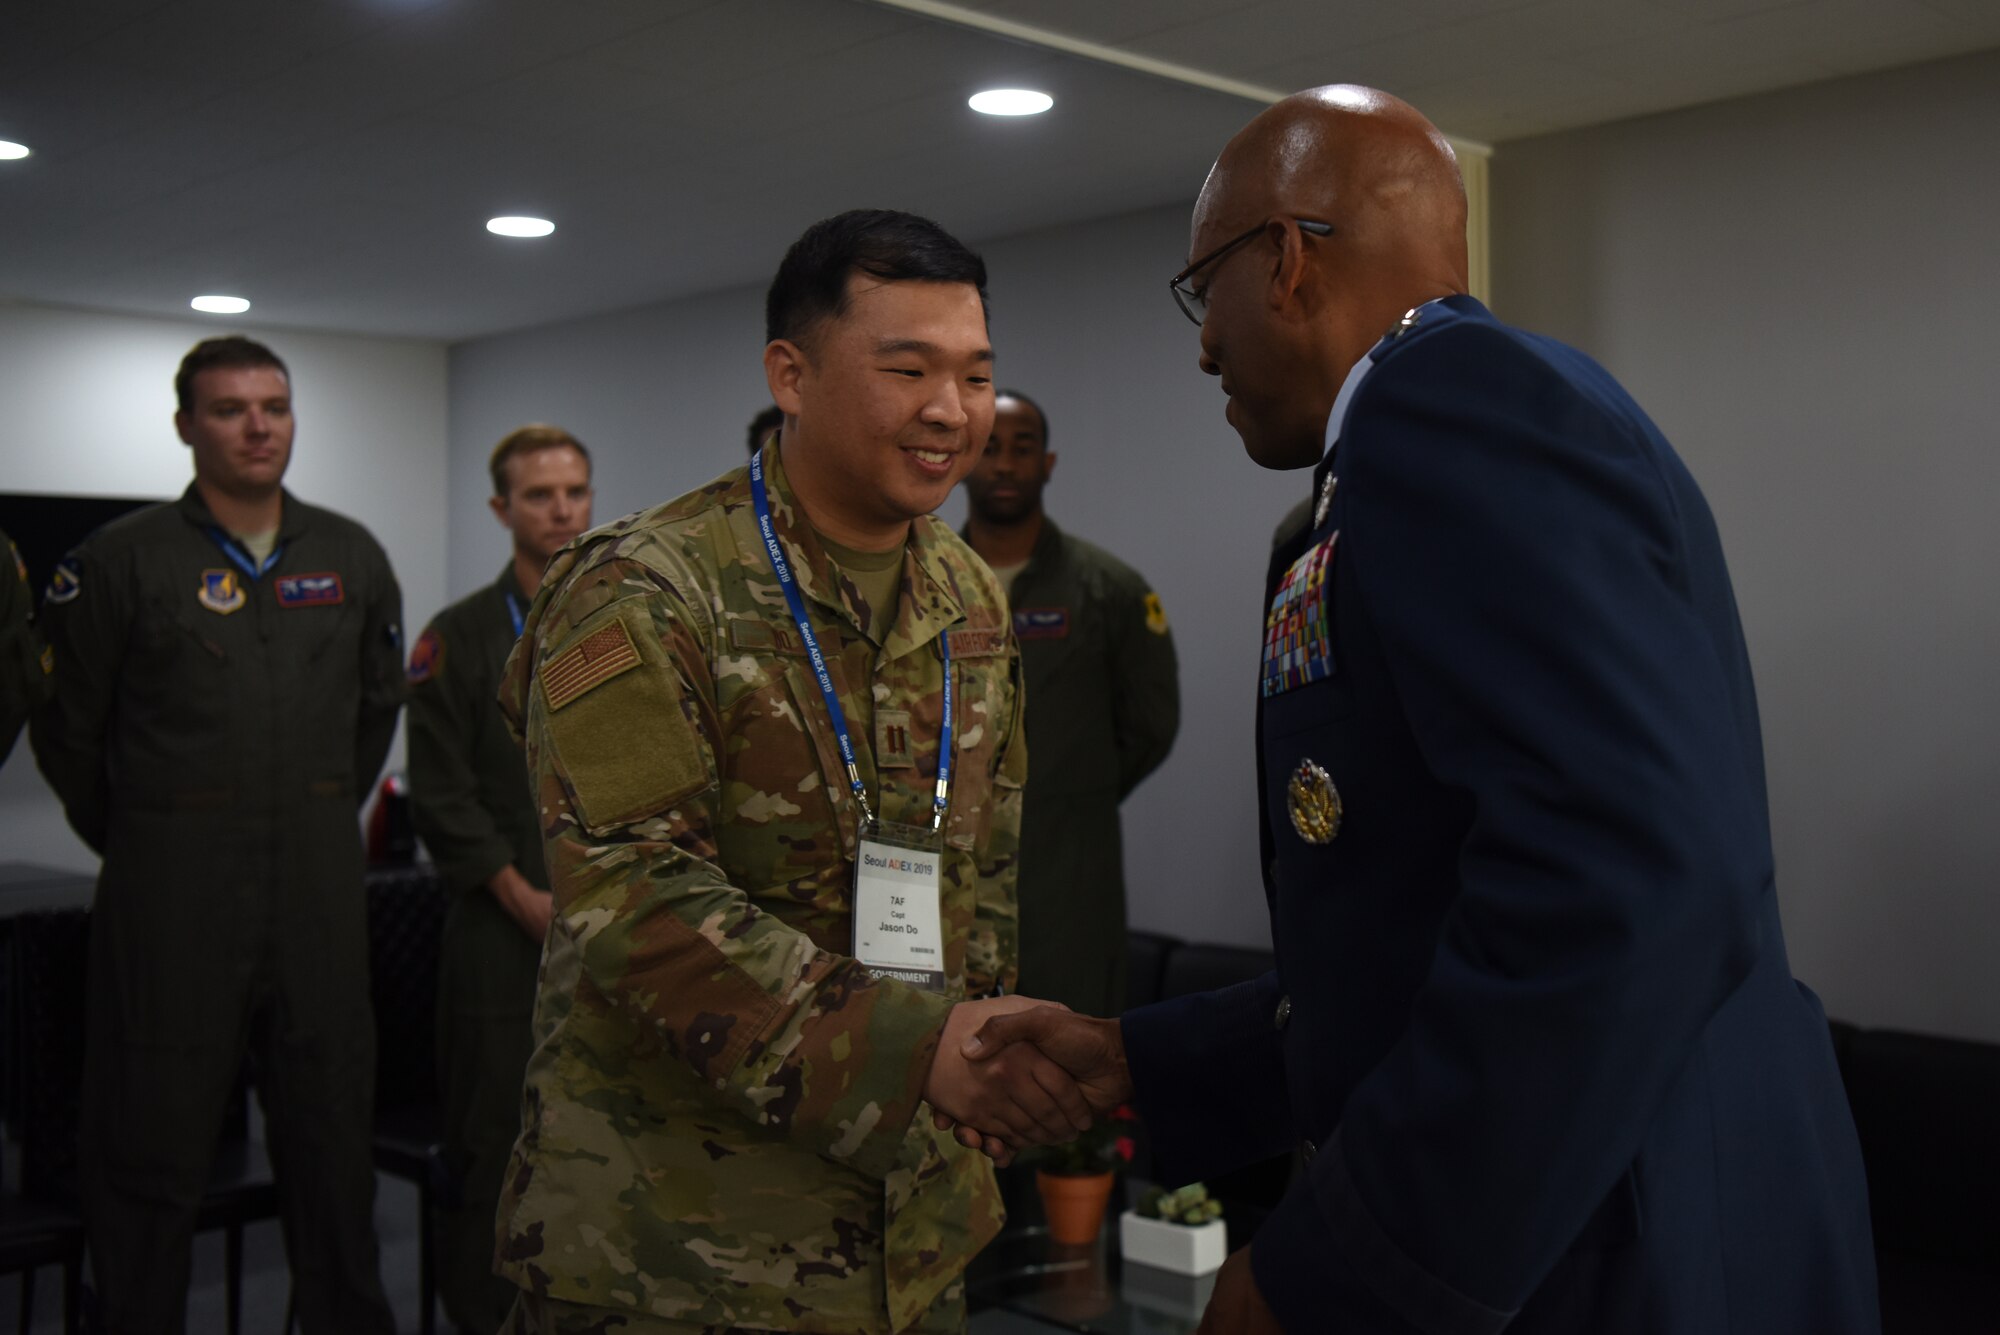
(1288, 310)
(1368, 163)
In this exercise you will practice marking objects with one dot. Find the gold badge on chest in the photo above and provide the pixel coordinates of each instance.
(1314, 804)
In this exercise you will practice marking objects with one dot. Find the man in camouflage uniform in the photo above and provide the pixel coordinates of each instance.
(470, 796)
(1101, 671)
(229, 666)
(25, 663)
(727, 1120)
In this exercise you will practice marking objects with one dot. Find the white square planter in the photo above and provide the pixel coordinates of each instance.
(1180, 1248)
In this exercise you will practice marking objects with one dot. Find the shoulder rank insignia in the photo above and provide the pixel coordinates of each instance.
(66, 583)
(221, 591)
(592, 661)
(1325, 502)
(426, 657)
(1314, 804)
(322, 588)
(1156, 615)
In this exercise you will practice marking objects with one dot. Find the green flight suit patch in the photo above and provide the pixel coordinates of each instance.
(621, 737)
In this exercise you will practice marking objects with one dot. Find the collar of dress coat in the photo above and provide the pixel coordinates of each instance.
(930, 602)
(1337, 417)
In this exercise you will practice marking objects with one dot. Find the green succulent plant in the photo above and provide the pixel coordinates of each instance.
(1188, 1205)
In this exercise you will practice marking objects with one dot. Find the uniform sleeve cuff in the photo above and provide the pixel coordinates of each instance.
(907, 1020)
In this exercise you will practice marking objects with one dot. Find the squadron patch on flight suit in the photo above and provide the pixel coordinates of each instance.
(426, 657)
(221, 591)
(1156, 615)
(1298, 640)
(66, 583)
(1041, 623)
(322, 588)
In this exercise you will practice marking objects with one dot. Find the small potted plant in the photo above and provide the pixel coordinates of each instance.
(1075, 1179)
(1178, 1230)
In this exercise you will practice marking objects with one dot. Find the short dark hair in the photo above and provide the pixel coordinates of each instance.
(230, 352)
(763, 424)
(811, 285)
(529, 439)
(1039, 411)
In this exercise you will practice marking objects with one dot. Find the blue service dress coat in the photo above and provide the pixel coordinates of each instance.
(1532, 1022)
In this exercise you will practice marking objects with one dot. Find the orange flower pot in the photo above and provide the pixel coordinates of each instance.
(1074, 1204)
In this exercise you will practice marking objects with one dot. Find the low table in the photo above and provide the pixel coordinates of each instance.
(1024, 1284)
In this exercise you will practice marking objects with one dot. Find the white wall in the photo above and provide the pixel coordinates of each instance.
(90, 402)
(1148, 468)
(1801, 288)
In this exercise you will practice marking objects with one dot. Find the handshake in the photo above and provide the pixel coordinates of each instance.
(1010, 1073)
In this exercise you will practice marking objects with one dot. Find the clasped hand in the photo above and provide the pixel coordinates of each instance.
(1012, 1072)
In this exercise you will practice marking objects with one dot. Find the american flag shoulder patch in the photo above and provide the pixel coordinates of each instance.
(589, 663)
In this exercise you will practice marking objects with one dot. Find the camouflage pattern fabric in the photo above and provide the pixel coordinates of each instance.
(723, 1121)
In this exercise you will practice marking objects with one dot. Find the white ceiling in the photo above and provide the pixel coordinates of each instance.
(335, 160)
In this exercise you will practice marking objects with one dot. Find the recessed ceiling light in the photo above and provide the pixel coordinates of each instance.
(520, 226)
(9, 150)
(1010, 102)
(220, 305)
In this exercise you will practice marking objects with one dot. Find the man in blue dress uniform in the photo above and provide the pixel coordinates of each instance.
(1532, 1024)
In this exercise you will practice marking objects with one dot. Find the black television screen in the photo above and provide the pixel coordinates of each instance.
(47, 528)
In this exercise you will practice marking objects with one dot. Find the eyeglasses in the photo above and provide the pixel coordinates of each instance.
(1194, 304)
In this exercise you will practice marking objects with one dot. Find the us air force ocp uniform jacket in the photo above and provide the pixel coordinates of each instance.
(724, 1121)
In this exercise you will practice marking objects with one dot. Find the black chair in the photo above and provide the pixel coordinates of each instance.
(50, 951)
(1145, 961)
(1926, 1109)
(406, 907)
(33, 1235)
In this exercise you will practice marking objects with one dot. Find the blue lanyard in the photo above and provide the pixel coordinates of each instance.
(514, 611)
(782, 568)
(242, 558)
